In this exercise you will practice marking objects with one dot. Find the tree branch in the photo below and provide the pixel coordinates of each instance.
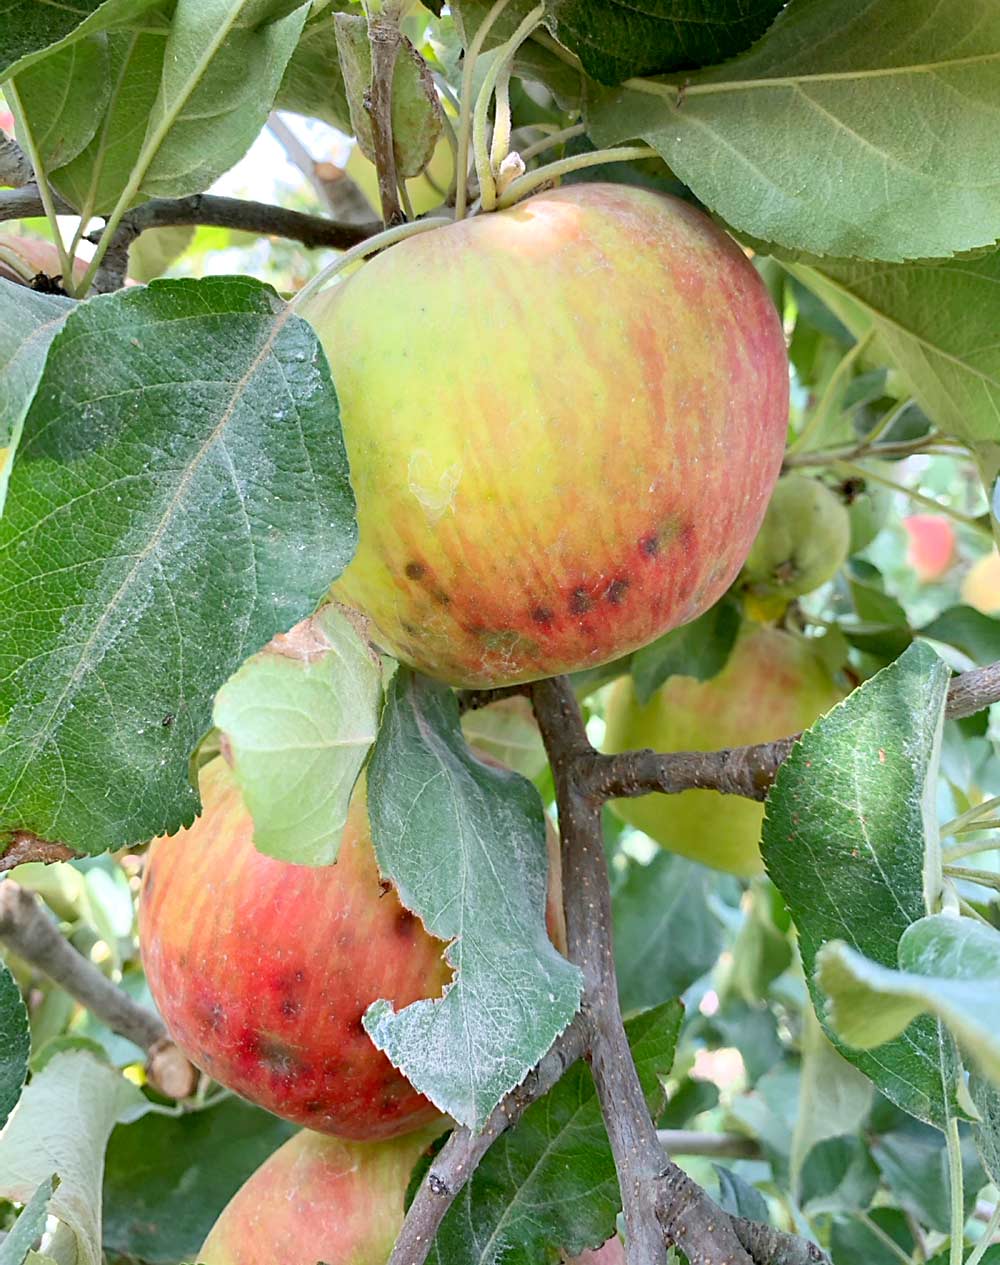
(335, 189)
(458, 1158)
(723, 1146)
(204, 208)
(695, 1223)
(473, 700)
(28, 931)
(746, 771)
(26, 203)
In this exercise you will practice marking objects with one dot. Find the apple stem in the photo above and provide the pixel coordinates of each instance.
(363, 249)
(497, 80)
(465, 110)
(532, 180)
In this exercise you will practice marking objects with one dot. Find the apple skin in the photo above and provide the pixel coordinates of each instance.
(262, 970)
(318, 1199)
(981, 586)
(772, 685)
(564, 422)
(931, 549)
(611, 1253)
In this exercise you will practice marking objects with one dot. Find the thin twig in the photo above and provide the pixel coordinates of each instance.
(335, 189)
(725, 1146)
(29, 932)
(473, 700)
(458, 1158)
(204, 208)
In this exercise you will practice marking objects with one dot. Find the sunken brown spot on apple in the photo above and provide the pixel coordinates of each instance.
(290, 1007)
(650, 545)
(580, 602)
(441, 597)
(616, 591)
(357, 1025)
(280, 1058)
(542, 615)
(405, 923)
(415, 570)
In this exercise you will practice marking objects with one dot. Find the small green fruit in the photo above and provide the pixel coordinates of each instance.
(802, 543)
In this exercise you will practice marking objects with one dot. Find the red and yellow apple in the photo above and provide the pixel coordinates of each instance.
(263, 970)
(981, 586)
(318, 1199)
(564, 422)
(932, 545)
(611, 1253)
(772, 685)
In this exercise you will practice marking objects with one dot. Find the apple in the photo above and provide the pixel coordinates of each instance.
(772, 685)
(34, 255)
(981, 586)
(869, 505)
(564, 422)
(802, 543)
(263, 970)
(318, 1199)
(611, 1253)
(931, 548)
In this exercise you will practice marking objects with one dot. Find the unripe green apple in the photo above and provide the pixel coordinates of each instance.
(772, 685)
(263, 970)
(318, 1199)
(869, 505)
(564, 421)
(802, 543)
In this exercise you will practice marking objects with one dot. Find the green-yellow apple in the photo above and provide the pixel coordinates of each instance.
(931, 547)
(772, 685)
(318, 1199)
(263, 970)
(802, 542)
(564, 421)
(869, 504)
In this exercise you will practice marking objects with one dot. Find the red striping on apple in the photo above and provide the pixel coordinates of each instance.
(615, 348)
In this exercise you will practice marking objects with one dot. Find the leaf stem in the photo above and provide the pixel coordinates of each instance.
(531, 180)
(955, 1182)
(862, 472)
(983, 878)
(497, 79)
(387, 238)
(973, 814)
(825, 402)
(552, 140)
(44, 189)
(972, 848)
(465, 111)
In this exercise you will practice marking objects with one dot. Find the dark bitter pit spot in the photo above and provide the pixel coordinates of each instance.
(415, 570)
(290, 1007)
(649, 545)
(542, 615)
(404, 922)
(580, 602)
(616, 591)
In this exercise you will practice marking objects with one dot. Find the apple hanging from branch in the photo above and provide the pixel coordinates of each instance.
(616, 350)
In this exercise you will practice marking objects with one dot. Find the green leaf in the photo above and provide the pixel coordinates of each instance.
(914, 1165)
(29, 1226)
(300, 718)
(416, 111)
(853, 1242)
(972, 632)
(15, 1043)
(949, 967)
(935, 322)
(550, 1182)
(986, 1131)
(94, 180)
(848, 823)
(465, 845)
(181, 495)
(167, 1178)
(839, 1175)
(507, 731)
(313, 83)
(615, 39)
(739, 1198)
(858, 128)
(60, 101)
(699, 649)
(28, 324)
(32, 31)
(665, 933)
(62, 1125)
(221, 70)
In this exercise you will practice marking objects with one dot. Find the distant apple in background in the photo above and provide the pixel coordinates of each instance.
(6, 122)
(981, 587)
(932, 545)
